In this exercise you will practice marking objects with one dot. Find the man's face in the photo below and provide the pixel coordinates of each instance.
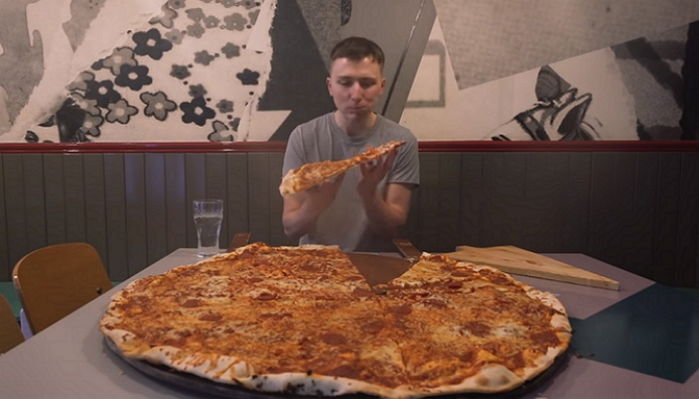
(355, 86)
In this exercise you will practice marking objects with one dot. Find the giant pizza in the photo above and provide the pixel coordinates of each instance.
(304, 320)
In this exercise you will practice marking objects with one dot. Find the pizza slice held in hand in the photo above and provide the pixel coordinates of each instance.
(316, 173)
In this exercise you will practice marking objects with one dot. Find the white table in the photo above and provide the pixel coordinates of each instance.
(70, 359)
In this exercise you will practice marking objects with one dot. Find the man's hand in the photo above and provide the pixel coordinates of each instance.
(372, 174)
(386, 210)
(302, 209)
(321, 196)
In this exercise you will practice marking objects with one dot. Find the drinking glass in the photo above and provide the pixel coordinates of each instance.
(208, 214)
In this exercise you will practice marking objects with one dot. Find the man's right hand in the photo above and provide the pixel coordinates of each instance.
(302, 209)
(321, 196)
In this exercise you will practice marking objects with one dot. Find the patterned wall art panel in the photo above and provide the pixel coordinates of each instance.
(634, 90)
(296, 88)
(192, 70)
(302, 34)
(186, 71)
(492, 39)
(252, 70)
(43, 46)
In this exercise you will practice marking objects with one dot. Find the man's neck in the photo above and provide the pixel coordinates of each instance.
(355, 127)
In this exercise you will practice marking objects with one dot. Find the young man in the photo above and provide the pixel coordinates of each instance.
(364, 208)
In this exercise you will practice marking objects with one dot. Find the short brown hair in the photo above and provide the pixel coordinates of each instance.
(356, 49)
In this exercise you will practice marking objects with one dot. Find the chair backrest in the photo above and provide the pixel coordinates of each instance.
(10, 333)
(53, 281)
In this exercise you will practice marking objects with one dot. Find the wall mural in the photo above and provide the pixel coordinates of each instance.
(189, 73)
(631, 90)
(251, 70)
(581, 98)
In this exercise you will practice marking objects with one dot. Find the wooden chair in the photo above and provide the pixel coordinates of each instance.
(10, 333)
(53, 281)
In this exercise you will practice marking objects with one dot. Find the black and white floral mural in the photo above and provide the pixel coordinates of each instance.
(187, 72)
(251, 70)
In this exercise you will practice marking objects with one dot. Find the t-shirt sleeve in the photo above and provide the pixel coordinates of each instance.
(294, 156)
(406, 167)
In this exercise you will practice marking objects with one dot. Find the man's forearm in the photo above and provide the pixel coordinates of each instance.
(300, 220)
(302, 210)
(385, 217)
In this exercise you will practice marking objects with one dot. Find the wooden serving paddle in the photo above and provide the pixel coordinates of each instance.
(407, 249)
(515, 260)
(239, 240)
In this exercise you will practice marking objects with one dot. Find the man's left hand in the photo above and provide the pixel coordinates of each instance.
(372, 174)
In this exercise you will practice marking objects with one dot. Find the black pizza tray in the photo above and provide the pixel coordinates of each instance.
(190, 383)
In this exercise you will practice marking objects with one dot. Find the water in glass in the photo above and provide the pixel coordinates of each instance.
(208, 214)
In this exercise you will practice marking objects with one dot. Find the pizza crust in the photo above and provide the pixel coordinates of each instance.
(491, 379)
(314, 385)
(217, 368)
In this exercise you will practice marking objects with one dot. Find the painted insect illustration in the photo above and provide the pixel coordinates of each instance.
(558, 114)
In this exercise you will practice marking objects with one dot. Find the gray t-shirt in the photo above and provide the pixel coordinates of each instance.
(345, 223)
